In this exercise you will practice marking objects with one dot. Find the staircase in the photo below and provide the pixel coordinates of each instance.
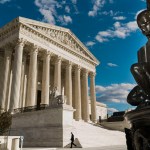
(90, 135)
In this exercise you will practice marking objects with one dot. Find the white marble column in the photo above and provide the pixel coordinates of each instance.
(6, 75)
(73, 89)
(1, 75)
(93, 97)
(85, 96)
(77, 94)
(68, 83)
(24, 92)
(9, 91)
(32, 80)
(45, 80)
(22, 80)
(16, 78)
(57, 74)
(82, 97)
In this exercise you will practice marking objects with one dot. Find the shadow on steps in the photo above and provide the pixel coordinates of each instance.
(76, 142)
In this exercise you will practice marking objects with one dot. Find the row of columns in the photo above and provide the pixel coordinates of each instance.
(14, 78)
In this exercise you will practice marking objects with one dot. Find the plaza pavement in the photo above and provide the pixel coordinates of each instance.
(117, 147)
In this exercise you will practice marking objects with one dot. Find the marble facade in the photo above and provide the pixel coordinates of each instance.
(35, 57)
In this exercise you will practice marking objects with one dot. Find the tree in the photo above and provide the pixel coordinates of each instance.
(5, 122)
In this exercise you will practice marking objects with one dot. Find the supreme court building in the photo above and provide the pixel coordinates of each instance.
(37, 57)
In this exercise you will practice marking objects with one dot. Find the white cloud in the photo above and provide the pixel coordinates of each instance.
(112, 65)
(112, 110)
(67, 9)
(132, 26)
(74, 1)
(4, 1)
(116, 93)
(119, 30)
(67, 19)
(111, 1)
(119, 18)
(48, 16)
(110, 13)
(49, 11)
(98, 4)
(63, 2)
(90, 43)
(117, 24)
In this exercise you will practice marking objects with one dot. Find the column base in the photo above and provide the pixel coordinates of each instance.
(78, 119)
(43, 106)
(94, 121)
(86, 120)
(18, 110)
(2, 110)
(29, 108)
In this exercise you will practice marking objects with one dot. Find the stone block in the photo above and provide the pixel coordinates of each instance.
(44, 128)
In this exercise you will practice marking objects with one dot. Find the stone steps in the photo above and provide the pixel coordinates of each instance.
(90, 135)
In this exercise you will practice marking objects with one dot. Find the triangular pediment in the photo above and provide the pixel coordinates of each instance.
(62, 35)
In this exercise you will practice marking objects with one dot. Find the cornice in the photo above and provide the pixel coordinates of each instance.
(8, 30)
(82, 45)
(41, 24)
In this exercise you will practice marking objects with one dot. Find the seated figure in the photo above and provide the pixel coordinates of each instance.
(141, 70)
(138, 137)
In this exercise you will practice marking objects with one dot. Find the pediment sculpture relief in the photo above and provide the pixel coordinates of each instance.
(62, 37)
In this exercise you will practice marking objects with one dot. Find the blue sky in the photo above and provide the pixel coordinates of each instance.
(107, 27)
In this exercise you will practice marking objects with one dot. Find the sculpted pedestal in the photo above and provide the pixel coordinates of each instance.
(138, 135)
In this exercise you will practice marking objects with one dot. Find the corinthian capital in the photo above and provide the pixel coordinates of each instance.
(68, 64)
(58, 59)
(85, 72)
(21, 42)
(34, 49)
(77, 68)
(92, 74)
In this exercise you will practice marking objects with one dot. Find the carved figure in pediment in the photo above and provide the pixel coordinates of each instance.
(59, 36)
(65, 40)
